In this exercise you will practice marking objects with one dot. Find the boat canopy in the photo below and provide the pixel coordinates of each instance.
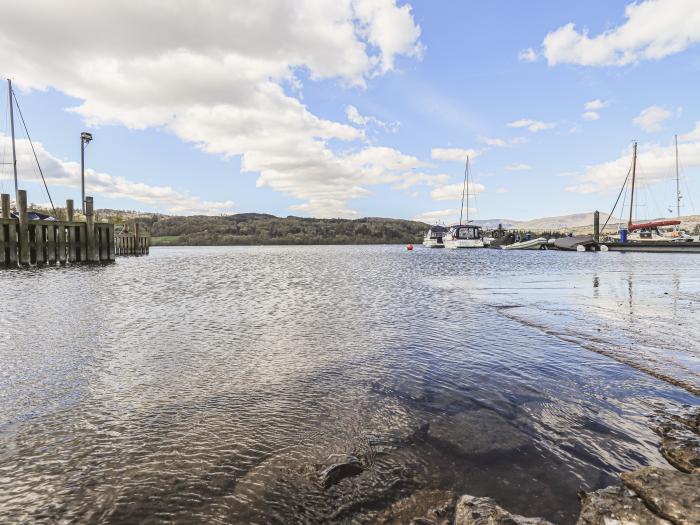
(465, 231)
(653, 224)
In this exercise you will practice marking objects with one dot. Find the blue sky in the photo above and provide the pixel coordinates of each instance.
(359, 108)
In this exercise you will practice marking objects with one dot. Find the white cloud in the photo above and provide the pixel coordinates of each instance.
(502, 190)
(691, 136)
(64, 173)
(591, 115)
(595, 105)
(501, 143)
(653, 30)
(455, 154)
(655, 164)
(528, 55)
(518, 166)
(495, 142)
(355, 117)
(453, 192)
(650, 119)
(449, 216)
(425, 179)
(532, 126)
(214, 74)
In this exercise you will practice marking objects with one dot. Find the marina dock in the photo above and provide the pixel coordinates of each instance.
(25, 241)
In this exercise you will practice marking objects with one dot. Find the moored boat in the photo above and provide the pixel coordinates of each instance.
(540, 243)
(664, 235)
(434, 236)
(464, 236)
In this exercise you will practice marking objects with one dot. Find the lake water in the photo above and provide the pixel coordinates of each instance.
(211, 384)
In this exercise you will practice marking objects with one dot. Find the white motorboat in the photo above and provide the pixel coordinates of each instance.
(463, 236)
(540, 243)
(434, 236)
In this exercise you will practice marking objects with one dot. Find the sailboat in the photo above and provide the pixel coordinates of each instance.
(464, 235)
(652, 236)
(664, 230)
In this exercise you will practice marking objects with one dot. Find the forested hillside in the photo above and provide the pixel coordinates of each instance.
(253, 228)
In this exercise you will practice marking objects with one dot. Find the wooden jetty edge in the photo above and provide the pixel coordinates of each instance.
(24, 241)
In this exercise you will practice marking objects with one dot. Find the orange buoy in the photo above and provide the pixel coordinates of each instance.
(409, 247)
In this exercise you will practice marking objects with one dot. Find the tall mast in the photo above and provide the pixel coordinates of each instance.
(634, 175)
(12, 132)
(467, 189)
(464, 187)
(678, 183)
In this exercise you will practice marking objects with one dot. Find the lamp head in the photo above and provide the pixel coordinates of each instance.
(85, 136)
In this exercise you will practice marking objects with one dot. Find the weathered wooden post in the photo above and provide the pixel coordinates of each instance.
(596, 226)
(5, 202)
(92, 255)
(5, 205)
(23, 227)
(137, 239)
(69, 210)
(51, 243)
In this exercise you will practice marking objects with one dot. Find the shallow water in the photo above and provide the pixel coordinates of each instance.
(210, 384)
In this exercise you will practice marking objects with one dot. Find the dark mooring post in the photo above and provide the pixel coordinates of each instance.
(23, 227)
(596, 226)
(5, 205)
(92, 254)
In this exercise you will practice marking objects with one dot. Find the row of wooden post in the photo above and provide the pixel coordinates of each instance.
(24, 241)
(132, 243)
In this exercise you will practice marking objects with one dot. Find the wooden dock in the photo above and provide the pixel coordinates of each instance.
(38, 242)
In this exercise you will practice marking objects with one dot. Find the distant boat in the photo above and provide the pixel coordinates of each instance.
(434, 236)
(540, 243)
(464, 235)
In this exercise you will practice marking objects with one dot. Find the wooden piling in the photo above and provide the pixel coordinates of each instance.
(5, 198)
(23, 227)
(69, 210)
(92, 255)
(596, 226)
(61, 244)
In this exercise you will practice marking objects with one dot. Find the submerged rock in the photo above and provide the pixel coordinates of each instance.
(434, 507)
(615, 506)
(484, 511)
(478, 432)
(671, 494)
(344, 466)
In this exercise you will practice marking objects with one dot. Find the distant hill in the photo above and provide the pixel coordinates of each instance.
(562, 222)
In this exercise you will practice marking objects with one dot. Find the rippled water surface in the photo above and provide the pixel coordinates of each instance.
(211, 384)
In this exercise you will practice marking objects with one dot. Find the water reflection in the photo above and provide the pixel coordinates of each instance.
(208, 385)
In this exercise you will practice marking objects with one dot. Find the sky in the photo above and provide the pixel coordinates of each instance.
(355, 108)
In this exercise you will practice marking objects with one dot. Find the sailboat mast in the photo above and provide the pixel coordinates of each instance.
(678, 182)
(12, 133)
(464, 187)
(634, 176)
(467, 190)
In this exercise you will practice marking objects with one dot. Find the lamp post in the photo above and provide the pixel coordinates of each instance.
(85, 139)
